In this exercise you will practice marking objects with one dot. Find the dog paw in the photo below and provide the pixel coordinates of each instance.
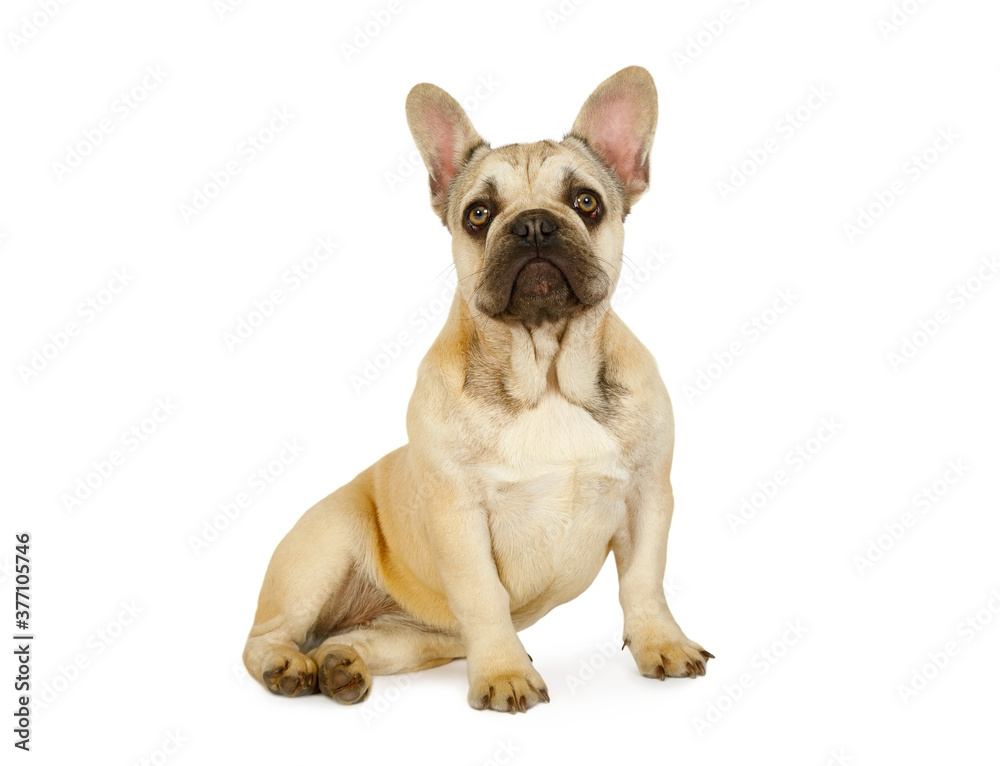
(343, 675)
(508, 692)
(681, 658)
(291, 674)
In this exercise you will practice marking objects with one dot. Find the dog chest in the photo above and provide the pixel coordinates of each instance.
(553, 438)
(555, 496)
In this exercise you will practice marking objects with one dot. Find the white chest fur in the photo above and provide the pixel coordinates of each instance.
(555, 496)
(553, 436)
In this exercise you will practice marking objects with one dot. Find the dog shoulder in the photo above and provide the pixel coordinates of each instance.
(628, 363)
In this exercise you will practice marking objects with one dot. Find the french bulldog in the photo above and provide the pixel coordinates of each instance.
(540, 436)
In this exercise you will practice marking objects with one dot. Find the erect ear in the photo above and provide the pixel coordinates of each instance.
(618, 122)
(443, 134)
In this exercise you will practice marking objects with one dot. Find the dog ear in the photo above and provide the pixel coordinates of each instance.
(443, 134)
(618, 122)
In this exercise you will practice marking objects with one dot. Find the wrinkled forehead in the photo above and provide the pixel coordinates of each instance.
(533, 174)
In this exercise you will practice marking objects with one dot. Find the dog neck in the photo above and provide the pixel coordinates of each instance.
(566, 357)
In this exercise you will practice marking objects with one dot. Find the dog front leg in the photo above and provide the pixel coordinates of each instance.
(501, 676)
(651, 633)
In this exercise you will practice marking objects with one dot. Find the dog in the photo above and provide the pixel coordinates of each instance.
(540, 436)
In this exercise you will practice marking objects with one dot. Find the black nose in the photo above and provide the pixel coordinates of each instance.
(534, 228)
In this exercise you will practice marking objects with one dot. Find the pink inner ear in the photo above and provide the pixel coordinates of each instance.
(612, 134)
(442, 130)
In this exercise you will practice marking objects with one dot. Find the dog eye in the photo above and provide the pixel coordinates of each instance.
(587, 203)
(478, 216)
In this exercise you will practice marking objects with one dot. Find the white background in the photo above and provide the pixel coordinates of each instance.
(175, 668)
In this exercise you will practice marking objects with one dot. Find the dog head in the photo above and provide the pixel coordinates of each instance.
(537, 229)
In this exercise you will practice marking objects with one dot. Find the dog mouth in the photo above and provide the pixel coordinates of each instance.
(540, 279)
(537, 273)
(540, 290)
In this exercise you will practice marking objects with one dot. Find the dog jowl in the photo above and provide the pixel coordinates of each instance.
(540, 437)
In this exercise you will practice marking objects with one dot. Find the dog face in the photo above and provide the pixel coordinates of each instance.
(537, 231)
(538, 228)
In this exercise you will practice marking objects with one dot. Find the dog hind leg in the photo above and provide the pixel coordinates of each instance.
(389, 644)
(311, 568)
